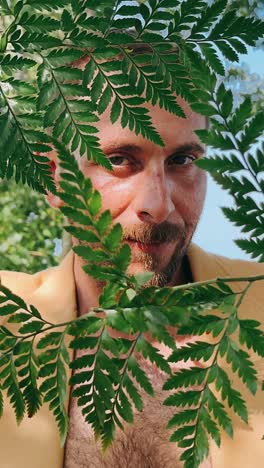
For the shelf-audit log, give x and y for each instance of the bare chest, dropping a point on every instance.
(145, 444)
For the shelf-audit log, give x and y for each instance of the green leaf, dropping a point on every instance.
(104, 222)
(105, 100)
(47, 93)
(252, 132)
(143, 278)
(182, 432)
(212, 58)
(8, 309)
(12, 61)
(115, 111)
(208, 17)
(14, 393)
(52, 339)
(123, 257)
(127, 10)
(112, 240)
(64, 56)
(199, 350)
(38, 23)
(186, 378)
(95, 203)
(204, 109)
(250, 335)
(182, 399)
(67, 21)
(183, 417)
(140, 376)
(82, 234)
(241, 364)
(133, 392)
(19, 317)
(228, 51)
(31, 327)
(97, 87)
(233, 397)
(218, 410)
(241, 115)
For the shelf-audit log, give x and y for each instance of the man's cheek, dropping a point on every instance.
(115, 195)
(190, 200)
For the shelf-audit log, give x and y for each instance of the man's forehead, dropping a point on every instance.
(173, 130)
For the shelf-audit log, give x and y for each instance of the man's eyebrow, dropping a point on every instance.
(125, 147)
(184, 148)
(189, 147)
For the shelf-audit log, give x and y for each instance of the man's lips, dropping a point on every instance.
(153, 247)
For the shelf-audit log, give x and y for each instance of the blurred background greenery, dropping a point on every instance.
(30, 231)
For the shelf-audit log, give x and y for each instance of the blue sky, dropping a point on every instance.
(215, 233)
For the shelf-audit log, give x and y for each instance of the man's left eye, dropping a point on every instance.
(181, 159)
(118, 160)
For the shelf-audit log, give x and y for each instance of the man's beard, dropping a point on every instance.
(162, 233)
(150, 234)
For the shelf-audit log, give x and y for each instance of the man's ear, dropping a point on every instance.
(54, 200)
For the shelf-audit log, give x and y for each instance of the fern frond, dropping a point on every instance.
(21, 150)
(53, 362)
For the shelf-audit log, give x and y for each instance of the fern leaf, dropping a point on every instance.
(140, 376)
(195, 351)
(39, 23)
(250, 335)
(218, 410)
(186, 378)
(48, 5)
(233, 397)
(24, 155)
(54, 387)
(11, 384)
(208, 17)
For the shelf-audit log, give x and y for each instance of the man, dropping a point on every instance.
(157, 195)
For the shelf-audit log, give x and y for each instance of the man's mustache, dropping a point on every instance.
(154, 234)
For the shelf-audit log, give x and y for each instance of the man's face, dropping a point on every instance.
(154, 192)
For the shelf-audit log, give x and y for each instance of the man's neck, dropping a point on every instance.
(88, 289)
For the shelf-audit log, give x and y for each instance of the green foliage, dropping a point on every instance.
(29, 229)
(175, 47)
(208, 412)
(237, 131)
(107, 386)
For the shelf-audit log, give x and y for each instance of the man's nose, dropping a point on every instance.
(153, 200)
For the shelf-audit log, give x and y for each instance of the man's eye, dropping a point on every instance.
(118, 160)
(181, 159)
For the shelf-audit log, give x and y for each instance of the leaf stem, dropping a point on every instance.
(250, 279)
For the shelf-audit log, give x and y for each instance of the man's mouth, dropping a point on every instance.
(146, 247)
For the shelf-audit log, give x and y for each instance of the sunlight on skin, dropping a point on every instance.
(154, 192)
(149, 184)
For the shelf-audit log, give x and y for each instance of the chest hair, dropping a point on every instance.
(145, 444)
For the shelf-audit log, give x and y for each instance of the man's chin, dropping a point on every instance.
(164, 272)
(158, 279)
(136, 269)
